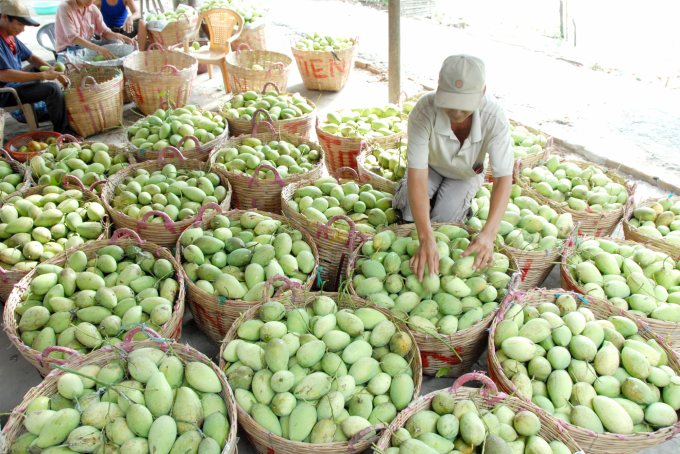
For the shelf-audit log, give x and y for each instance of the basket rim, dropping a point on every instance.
(628, 215)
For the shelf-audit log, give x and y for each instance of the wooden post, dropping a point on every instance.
(563, 22)
(394, 34)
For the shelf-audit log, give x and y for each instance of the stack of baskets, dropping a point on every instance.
(167, 233)
(325, 71)
(171, 329)
(157, 75)
(302, 125)
(94, 102)
(243, 77)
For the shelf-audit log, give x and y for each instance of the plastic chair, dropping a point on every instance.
(27, 109)
(47, 31)
(220, 23)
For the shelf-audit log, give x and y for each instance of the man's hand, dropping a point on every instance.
(65, 81)
(482, 244)
(51, 74)
(427, 254)
(129, 24)
(105, 53)
(125, 39)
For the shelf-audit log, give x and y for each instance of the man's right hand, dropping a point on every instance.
(105, 53)
(427, 254)
(50, 74)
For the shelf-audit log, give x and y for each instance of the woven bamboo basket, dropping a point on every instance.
(670, 331)
(632, 233)
(15, 427)
(114, 151)
(484, 398)
(174, 32)
(266, 442)
(325, 71)
(9, 278)
(336, 246)
(592, 223)
(590, 442)
(302, 125)
(243, 78)
(2, 129)
(378, 182)
(18, 168)
(213, 314)
(459, 351)
(344, 151)
(164, 234)
(156, 75)
(172, 329)
(255, 36)
(94, 102)
(202, 67)
(265, 195)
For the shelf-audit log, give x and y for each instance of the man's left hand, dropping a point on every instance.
(483, 245)
(65, 81)
(125, 39)
(129, 24)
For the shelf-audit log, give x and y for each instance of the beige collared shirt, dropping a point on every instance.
(432, 143)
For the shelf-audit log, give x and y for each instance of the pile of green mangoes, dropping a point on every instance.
(526, 225)
(390, 164)
(89, 162)
(280, 106)
(368, 123)
(168, 127)
(634, 278)
(327, 43)
(581, 189)
(235, 258)
(36, 227)
(659, 220)
(364, 205)
(173, 16)
(526, 143)
(462, 426)
(10, 182)
(248, 11)
(596, 374)
(285, 157)
(178, 193)
(150, 402)
(319, 374)
(88, 303)
(439, 305)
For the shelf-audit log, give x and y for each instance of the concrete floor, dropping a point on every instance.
(17, 376)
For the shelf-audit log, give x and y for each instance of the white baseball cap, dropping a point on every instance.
(461, 83)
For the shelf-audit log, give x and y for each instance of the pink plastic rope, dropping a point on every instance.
(342, 169)
(154, 45)
(95, 184)
(362, 433)
(264, 89)
(63, 137)
(6, 154)
(175, 71)
(196, 141)
(277, 64)
(94, 86)
(277, 176)
(121, 234)
(75, 179)
(44, 355)
(175, 151)
(169, 223)
(213, 205)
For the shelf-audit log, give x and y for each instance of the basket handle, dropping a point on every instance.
(71, 67)
(169, 223)
(213, 205)
(121, 234)
(194, 138)
(238, 49)
(266, 123)
(166, 103)
(127, 342)
(362, 433)
(95, 184)
(63, 137)
(75, 179)
(280, 65)
(264, 111)
(175, 71)
(478, 376)
(185, 16)
(342, 169)
(400, 101)
(627, 213)
(45, 355)
(175, 151)
(154, 45)
(276, 87)
(277, 175)
(93, 86)
(6, 154)
(287, 282)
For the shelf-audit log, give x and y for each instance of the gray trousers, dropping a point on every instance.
(451, 198)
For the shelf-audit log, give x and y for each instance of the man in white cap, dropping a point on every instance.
(450, 132)
(14, 16)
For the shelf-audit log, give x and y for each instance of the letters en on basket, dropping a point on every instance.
(590, 442)
(266, 442)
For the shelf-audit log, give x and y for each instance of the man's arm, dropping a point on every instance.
(419, 202)
(134, 12)
(82, 42)
(36, 61)
(13, 75)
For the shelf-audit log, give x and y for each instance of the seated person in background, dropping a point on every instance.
(76, 23)
(119, 20)
(14, 16)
